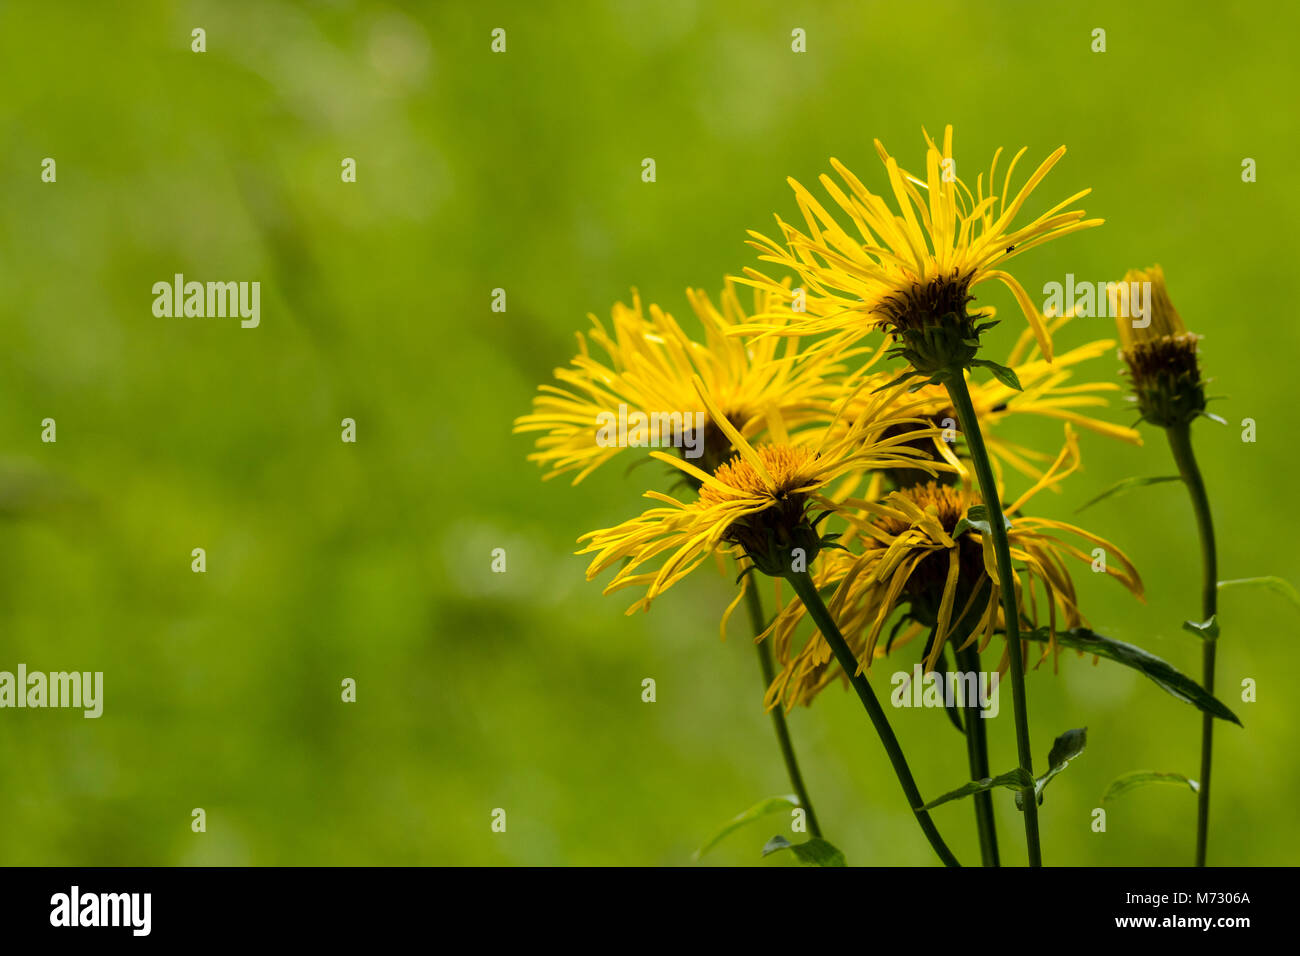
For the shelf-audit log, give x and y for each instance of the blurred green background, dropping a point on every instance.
(372, 561)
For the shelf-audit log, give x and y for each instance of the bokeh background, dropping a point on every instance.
(371, 560)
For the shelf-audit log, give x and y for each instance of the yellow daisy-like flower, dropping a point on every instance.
(755, 506)
(1047, 390)
(919, 550)
(1162, 356)
(647, 368)
(911, 269)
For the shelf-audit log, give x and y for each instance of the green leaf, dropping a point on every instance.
(1064, 749)
(815, 851)
(1165, 675)
(1003, 374)
(1272, 582)
(1016, 779)
(1128, 484)
(977, 519)
(1132, 781)
(911, 373)
(1207, 630)
(760, 809)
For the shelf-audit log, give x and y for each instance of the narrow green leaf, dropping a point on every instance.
(1064, 749)
(760, 809)
(1207, 630)
(1165, 675)
(1272, 582)
(1128, 484)
(1132, 781)
(1016, 779)
(815, 851)
(1003, 374)
(911, 373)
(977, 519)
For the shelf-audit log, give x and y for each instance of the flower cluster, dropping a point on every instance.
(872, 491)
(798, 399)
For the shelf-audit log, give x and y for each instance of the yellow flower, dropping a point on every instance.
(755, 506)
(1165, 322)
(647, 368)
(912, 270)
(1161, 355)
(918, 550)
(1047, 390)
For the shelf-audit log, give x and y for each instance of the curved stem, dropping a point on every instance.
(754, 602)
(977, 754)
(812, 601)
(1180, 443)
(955, 382)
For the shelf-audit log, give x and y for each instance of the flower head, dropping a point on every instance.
(1161, 355)
(911, 270)
(1047, 390)
(757, 506)
(647, 367)
(923, 549)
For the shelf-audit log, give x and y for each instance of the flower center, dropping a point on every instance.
(927, 303)
(1166, 376)
(780, 539)
(947, 503)
(787, 464)
(925, 587)
(931, 326)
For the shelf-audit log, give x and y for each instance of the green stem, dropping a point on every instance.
(812, 601)
(955, 382)
(1180, 443)
(977, 754)
(754, 602)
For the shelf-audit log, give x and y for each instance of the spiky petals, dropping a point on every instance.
(755, 506)
(916, 554)
(911, 264)
(648, 364)
(1162, 357)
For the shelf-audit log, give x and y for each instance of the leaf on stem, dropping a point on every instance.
(1016, 779)
(1064, 749)
(1165, 675)
(1128, 484)
(1206, 630)
(911, 373)
(1003, 374)
(977, 519)
(814, 851)
(1272, 582)
(760, 809)
(1132, 781)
